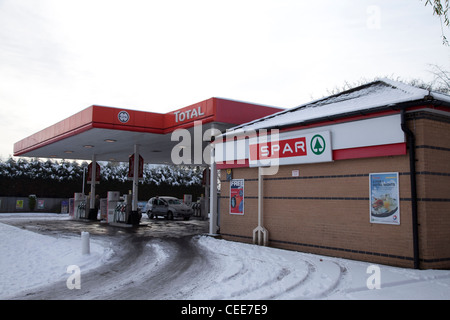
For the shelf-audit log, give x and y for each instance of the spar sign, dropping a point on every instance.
(290, 148)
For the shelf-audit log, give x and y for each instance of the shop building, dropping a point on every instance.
(364, 174)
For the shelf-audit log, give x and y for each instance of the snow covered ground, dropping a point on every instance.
(253, 272)
(231, 270)
(30, 260)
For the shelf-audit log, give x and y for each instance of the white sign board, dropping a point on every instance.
(290, 148)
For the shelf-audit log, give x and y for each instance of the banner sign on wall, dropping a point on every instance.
(384, 198)
(292, 147)
(237, 196)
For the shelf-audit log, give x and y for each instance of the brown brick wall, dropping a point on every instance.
(326, 209)
(433, 166)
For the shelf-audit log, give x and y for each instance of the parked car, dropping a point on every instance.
(169, 207)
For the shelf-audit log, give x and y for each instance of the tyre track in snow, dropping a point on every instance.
(321, 281)
(145, 262)
(142, 268)
(96, 283)
(314, 285)
(146, 266)
(156, 275)
(283, 278)
(297, 285)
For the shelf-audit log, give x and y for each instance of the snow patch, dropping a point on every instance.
(244, 271)
(29, 260)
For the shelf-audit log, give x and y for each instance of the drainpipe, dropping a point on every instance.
(412, 168)
(260, 234)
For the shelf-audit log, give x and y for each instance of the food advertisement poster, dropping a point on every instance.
(384, 198)
(237, 196)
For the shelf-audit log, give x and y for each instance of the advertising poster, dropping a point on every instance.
(41, 204)
(384, 198)
(19, 204)
(237, 196)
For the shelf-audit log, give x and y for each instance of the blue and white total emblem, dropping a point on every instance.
(123, 116)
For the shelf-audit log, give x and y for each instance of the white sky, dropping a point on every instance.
(58, 57)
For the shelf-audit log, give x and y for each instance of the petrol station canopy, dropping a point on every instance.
(110, 133)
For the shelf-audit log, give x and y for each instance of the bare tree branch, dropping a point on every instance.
(440, 8)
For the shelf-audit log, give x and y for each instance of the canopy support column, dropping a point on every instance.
(92, 209)
(134, 205)
(134, 218)
(213, 194)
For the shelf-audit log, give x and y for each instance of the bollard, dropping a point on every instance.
(85, 247)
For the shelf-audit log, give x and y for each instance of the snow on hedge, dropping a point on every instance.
(71, 170)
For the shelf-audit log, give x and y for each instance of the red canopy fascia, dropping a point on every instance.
(225, 113)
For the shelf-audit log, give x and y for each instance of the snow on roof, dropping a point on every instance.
(380, 93)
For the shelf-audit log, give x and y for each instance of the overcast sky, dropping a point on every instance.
(58, 57)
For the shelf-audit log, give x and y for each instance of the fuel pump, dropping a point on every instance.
(120, 212)
(80, 201)
(123, 209)
(127, 199)
(112, 200)
(119, 208)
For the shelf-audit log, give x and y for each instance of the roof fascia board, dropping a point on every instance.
(348, 116)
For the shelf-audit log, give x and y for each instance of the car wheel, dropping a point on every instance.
(186, 218)
(169, 215)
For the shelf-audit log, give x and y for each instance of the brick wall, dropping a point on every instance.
(325, 210)
(433, 168)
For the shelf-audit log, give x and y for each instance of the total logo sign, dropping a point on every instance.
(290, 148)
(193, 113)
